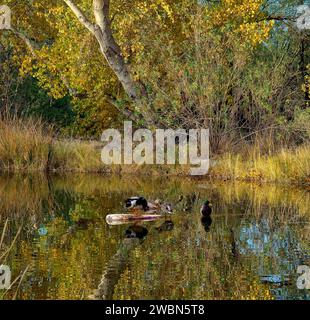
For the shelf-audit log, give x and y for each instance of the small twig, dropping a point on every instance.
(3, 232)
(255, 132)
(11, 246)
(21, 279)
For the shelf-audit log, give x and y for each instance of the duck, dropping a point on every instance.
(137, 203)
(190, 201)
(141, 204)
(206, 209)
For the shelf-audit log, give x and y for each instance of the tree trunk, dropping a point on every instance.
(111, 51)
(110, 48)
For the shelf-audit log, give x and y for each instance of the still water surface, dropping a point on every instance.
(250, 249)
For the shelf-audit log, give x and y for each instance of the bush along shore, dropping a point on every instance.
(28, 145)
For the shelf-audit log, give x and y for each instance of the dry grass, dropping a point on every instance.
(77, 156)
(28, 145)
(283, 166)
(24, 145)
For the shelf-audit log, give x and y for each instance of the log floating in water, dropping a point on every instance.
(113, 219)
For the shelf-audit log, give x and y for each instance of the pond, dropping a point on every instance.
(250, 248)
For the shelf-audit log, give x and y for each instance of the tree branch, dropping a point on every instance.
(30, 44)
(81, 17)
(126, 112)
(276, 18)
(101, 12)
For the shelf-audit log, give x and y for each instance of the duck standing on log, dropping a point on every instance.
(141, 205)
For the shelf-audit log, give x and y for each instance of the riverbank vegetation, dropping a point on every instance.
(31, 145)
(238, 67)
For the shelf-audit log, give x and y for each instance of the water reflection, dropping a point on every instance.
(134, 235)
(234, 248)
(206, 222)
(136, 231)
(249, 249)
(167, 225)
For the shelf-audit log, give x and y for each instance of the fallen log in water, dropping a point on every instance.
(114, 219)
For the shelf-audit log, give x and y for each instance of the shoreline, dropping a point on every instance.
(143, 172)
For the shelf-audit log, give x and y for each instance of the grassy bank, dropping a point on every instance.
(284, 165)
(30, 145)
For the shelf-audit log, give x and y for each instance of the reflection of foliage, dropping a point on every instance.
(69, 261)
(83, 210)
(196, 266)
(77, 212)
(255, 291)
